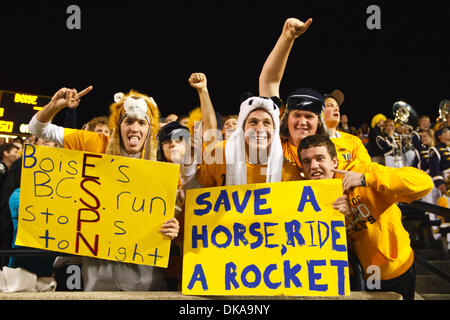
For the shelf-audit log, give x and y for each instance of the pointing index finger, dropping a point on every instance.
(308, 22)
(343, 172)
(84, 92)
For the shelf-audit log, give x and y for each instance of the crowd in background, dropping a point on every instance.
(422, 144)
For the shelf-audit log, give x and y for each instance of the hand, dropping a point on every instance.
(65, 97)
(342, 204)
(197, 81)
(170, 228)
(294, 28)
(350, 179)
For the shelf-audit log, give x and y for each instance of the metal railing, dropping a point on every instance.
(437, 210)
(429, 207)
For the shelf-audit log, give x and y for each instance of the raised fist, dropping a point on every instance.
(197, 80)
(294, 28)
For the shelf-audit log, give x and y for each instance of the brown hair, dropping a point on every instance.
(317, 141)
(284, 128)
(6, 147)
(90, 126)
(233, 116)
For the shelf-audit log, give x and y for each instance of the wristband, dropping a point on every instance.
(363, 180)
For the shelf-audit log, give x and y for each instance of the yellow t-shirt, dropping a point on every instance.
(290, 153)
(348, 149)
(213, 174)
(374, 229)
(85, 140)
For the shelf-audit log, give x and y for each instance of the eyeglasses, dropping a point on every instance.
(168, 142)
(178, 135)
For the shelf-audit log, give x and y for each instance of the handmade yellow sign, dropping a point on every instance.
(266, 239)
(96, 205)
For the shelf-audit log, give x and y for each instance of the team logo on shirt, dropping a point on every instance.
(345, 154)
(359, 217)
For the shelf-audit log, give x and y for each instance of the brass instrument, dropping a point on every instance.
(444, 109)
(405, 115)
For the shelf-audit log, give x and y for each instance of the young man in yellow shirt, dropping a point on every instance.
(373, 221)
(134, 119)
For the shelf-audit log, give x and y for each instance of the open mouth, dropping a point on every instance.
(316, 174)
(259, 140)
(134, 140)
(303, 131)
(259, 137)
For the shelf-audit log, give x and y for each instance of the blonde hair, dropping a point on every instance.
(431, 134)
(194, 116)
(90, 126)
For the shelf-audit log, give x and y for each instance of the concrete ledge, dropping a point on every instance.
(172, 295)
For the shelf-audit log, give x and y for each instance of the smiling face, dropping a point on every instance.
(229, 126)
(317, 163)
(301, 123)
(258, 130)
(133, 133)
(424, 123)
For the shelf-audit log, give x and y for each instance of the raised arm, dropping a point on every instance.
(273, 69)
(40, 125)
(198, 82)
(63, 98)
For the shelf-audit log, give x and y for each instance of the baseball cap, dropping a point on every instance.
(337, 95)
(173, 131)
(305, 99)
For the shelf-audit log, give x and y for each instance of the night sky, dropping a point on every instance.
(153, 47)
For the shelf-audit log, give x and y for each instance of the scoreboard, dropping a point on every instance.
(17, 109)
